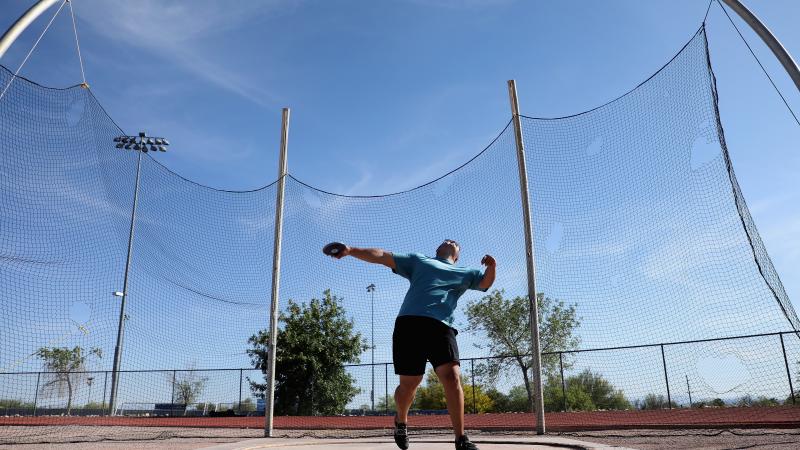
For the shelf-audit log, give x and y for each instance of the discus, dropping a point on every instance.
(334, 249)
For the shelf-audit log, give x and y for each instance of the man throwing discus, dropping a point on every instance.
(423, 330)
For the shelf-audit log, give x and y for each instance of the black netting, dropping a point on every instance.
(199, 281)
(657, 293)
(636, 220)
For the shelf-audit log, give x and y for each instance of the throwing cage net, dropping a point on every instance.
(658, 303)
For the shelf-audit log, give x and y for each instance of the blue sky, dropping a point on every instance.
(376, 88)
(388, 95)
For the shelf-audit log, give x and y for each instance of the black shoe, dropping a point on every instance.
(463, 443)
(401, 435)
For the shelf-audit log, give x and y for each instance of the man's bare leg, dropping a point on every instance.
(404, 395)
(450, 376)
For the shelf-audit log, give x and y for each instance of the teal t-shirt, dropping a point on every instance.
(435, 287)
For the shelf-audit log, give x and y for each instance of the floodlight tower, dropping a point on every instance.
(140, 144)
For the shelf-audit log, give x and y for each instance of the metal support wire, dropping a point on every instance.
(33, 13)
(77, 45)
(19, 26)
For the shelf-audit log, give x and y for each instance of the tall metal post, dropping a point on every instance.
(105, 389)
(666, 377)
(36, 394)
(386, 386)
(90, 382)
(529, 259)
(276, 277)
(172, 394)
(121, 325)
(371, 290)
(241, 375)
(689, 388)
(472, 376)
(563, 381)
(788, 372)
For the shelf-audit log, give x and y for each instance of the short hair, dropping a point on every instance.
(454, 242)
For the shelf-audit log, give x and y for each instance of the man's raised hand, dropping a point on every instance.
(343, 253)
(336, 250)
(488, 261)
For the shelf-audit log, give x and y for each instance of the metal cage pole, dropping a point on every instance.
(13, 32)
(788, 372)
(766, 35)
(36, 394)
(530, 261)
(276, 277)
(371, 290)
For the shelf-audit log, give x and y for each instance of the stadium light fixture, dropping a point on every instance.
(142, 143)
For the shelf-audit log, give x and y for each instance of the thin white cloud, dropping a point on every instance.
(181, 32)
(459, 4)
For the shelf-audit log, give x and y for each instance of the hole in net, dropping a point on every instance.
(442, 187)
(722, 373)
(80, 312)
(554, 237)
(704, 150)
(75, 111)
(595, 147)
(311, 199)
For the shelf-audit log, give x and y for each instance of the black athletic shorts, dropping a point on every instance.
(417, 340)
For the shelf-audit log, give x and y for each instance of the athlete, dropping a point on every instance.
(423, 330)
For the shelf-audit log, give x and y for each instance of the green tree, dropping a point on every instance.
(67, 367)
(188, 387)
(205, 407)
(515, 401)
(654, 401)
(476, 400)
(431, 396)
(313, 345)
(585, 391)
(506, 324)
(97, 406)
(247, 405)
(386, 403)
(748, 400)
(10, 403)
(717, 403)
(499, 400)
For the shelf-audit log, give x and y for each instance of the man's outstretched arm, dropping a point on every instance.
(370, 255)
(489, 274)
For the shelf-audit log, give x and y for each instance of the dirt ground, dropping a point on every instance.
(728, 439)
(178, 439)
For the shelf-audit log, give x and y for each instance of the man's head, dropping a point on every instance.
(449, 249)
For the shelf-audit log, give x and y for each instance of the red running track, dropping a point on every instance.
(753, 417)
